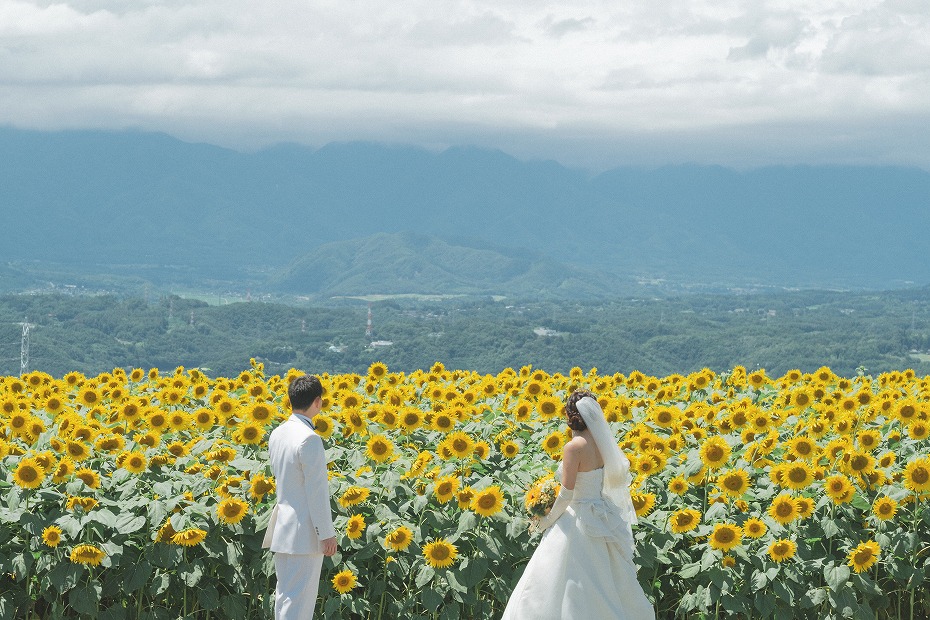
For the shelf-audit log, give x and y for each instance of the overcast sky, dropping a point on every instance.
(587, 83)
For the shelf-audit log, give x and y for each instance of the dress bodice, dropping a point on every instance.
(598, 516)
(588, 485)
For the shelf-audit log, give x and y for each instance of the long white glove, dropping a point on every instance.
(562, 501)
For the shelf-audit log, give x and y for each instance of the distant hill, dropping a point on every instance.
(398, 263)
(101, 199)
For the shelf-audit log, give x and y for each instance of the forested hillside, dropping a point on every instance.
(146, 204)
(804, 330)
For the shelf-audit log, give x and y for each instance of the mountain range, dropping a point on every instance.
(357, 218)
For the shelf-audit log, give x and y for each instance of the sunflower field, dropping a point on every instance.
(137, 494)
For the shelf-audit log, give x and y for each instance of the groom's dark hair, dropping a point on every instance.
(575, 421)
(303, 390)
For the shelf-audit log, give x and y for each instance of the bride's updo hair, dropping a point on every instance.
(575, 421)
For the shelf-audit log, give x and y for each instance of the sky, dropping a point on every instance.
(587, 83)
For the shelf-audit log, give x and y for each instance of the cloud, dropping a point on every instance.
(712, 72)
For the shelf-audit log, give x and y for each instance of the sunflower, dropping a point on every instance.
(411, 419)
(553, 443)
(482, 450)
(377, 371)
(734, 483)
(464, 496)
(445, 488)
(805, 506)
(89, 477)
(884, 507)
(379, 448)
(261, 485)
(488, 502)
(344, 581)
(224, 407)
(782, 549)
(678, 485)
(88, 396)
(355, 526)
(797, 475)
(54, 404)
(754, 528)
(109, 443)
(87, 554)
(728, 561)
(28, 474)
(715, 452)
(353, 496)
(440, 553)
(189, 537)
(509, 448)
(918, 430)
(548, 407)
(86, 503)
(323, 425)
(178, 421)
(51, 536)
(399, 539)
(839, 488)
(643, 503)
(231, 510)
(684, 520)
(725, 536)
(783, 509)
(917, 475)
(460, 444)
(158, 420)
(77, 450)
(665, 417)
(864, 556)
(63, 470)
(523, 411)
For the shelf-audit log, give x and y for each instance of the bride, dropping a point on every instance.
(583, 567)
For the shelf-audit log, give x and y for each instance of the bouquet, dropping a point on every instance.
(541, 496)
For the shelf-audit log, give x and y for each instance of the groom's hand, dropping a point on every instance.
(329, 546)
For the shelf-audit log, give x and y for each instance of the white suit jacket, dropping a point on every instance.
(301, 517)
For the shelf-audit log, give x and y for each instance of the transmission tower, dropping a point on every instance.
(24, 347)
(368, 327)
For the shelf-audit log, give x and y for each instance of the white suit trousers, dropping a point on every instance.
(298, 584)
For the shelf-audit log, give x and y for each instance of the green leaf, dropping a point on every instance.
(689, 570)
(759, 580)
(127, 523)
(425, 575)
(450, 611)
(208, 597)
(244, 464)
(65, 576)
(431, 599)
(192, 573)
(234, 605)
(85, 599)
(830, 529)
(116, 612)
(783, 592)
(489, 546)
(814, 598)
(473, 571)
(766, 603)
(138, 575)
(466, 522)
(836, 576)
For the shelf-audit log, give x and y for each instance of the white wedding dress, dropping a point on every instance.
(583, 567)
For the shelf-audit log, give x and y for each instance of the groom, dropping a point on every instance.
(301, 530)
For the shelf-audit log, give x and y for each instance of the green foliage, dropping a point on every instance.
(659, 336)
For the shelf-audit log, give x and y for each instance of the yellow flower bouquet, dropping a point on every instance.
(541, 496)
